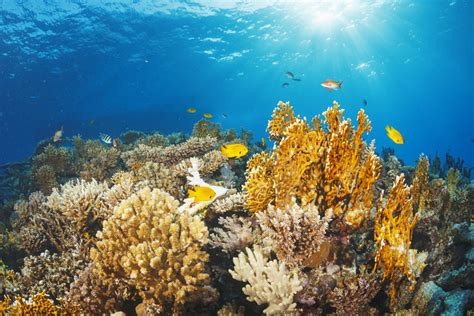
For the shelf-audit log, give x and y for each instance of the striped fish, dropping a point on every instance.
(105, 138)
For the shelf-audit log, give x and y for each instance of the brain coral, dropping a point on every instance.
(152, 246)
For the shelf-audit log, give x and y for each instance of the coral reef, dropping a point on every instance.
(269, 282)
(315, 224)
(151, 246)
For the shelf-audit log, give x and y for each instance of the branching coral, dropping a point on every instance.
(331, 166)
(204, 128)
(232, 202)
(394, 224)
(151, 246)
(208, 163)
(236, 235)
(159, 176)
(296, 233)
(79, 201)
(420, 184)
(93, 296)
(50, 273)
(354, 293)
(170, 155)
(39, 228)
(51, 163)
(269, 282)
(93, 160)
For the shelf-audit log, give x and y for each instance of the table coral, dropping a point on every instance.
(269, 282)
(297, 233)
(394, 224)
(151, 246)
(327, 164)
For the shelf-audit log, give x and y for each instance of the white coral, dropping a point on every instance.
(270, 282)
(236, 234)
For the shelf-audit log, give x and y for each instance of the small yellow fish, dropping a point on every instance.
(208, 115)
(191, 110)
(394, 135)
(58, 135)
(234, 150)
(201, 194)
(331, 84)
(263, 143)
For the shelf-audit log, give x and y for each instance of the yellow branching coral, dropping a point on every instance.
(327, 164)
(153, 247)
(283, 116)
(269, 282)
(159, 176)
(39, 304)
(420, 185)
(394, 224)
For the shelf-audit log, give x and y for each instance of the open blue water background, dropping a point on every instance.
(110, 66)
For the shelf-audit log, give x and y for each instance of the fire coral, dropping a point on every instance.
(327, 164)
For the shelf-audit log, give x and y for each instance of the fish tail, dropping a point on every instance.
(340, 83)
(191, 193)
(387, 128)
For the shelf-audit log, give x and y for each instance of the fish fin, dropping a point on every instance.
(191, 192)
(340, 84)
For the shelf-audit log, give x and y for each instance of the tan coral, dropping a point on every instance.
(151, 246)
(208, 163)
(78, 201)
(170, 155)
(37, 227)
(269, 282)
(420, 184)
(159, 176)
(236, 235)
(296, 233)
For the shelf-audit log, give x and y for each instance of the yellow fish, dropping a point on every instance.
(201, 194)
(263, 142)
(191, 110)
(234, 150)
(208, 115)
(394, 135)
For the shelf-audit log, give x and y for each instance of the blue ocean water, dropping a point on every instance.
(95, 66)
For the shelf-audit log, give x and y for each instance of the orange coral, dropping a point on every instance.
(39, 304)
(394, 224)
(330, 165)
(420, 185)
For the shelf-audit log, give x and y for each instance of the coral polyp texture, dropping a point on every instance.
(326, 162)
(317, 224)
(154, 248)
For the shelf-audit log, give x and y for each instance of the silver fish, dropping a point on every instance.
(105, 138)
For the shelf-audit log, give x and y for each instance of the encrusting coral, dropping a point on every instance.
(330, 165)
(296, 233)
(269, 282)
(151, 246)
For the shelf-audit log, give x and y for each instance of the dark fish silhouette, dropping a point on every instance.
(290, 75)
(365, 102)
(285, 84)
